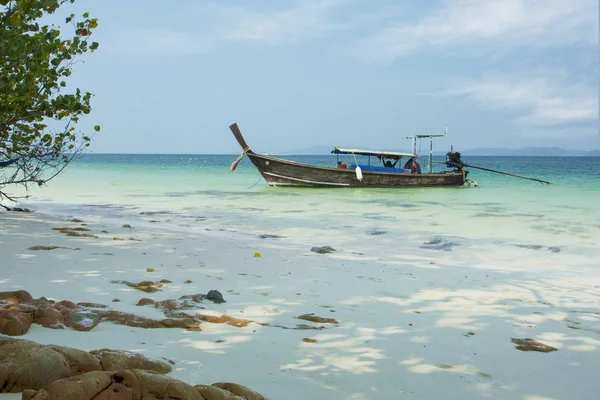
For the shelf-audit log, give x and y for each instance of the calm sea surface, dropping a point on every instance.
(196, 193)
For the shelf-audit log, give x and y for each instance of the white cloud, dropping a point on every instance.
(310, 20)
(542, 99)
(512, 23)
(201, 27)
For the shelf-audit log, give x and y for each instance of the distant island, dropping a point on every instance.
(481, 151)
(531, 152)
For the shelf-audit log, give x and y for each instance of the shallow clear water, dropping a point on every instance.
(197, 193)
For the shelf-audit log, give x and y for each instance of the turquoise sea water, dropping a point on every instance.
(197, 192)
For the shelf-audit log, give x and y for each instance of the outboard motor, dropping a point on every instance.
(453, 160)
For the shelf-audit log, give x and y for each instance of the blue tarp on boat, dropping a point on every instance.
(379, 169)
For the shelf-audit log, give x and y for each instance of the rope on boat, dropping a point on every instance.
(255, 183)
(237, 161)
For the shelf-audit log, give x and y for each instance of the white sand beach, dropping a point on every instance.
(409, 326)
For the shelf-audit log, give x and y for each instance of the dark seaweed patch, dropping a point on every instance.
(439, 243)
(488, 214)
(377, 217)
(269, 236)
(530, 246)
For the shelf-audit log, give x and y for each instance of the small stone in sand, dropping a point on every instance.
(77, 234)
(44, 247)
(320, 320)
(309, 340)
(27, 210)
(215, 296)
(532, 345)
(269, 236)
(66, 230)
(304, 327)
(118, 238)
(127, 226)
(165, 281)
(188, 281)
(150, 270)
(224, 319)
(145, 286)
(323, 249)
(257, 255)
(116, 300)
(145, 301)
(76, 220)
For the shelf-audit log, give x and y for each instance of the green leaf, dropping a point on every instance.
(36, 61)
(14, 19)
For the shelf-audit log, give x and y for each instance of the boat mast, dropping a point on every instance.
(414, 139)
(430, 155)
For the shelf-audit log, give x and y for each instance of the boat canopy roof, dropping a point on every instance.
(386, 154)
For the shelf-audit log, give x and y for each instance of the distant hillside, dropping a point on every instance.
(309, 151)
(530, 151)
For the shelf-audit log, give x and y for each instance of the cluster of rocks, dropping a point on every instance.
(51, 372)
(152, 287)
(55, 372)
(529, 344)
(19, 310)
(173, 309)
(77, 231)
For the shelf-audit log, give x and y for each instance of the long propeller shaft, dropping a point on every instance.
(506, 173)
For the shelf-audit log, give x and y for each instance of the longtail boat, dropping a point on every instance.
(281, 172)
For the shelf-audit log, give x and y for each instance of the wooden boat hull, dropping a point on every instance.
(280, 172)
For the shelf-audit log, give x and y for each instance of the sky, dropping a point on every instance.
(170, 77)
